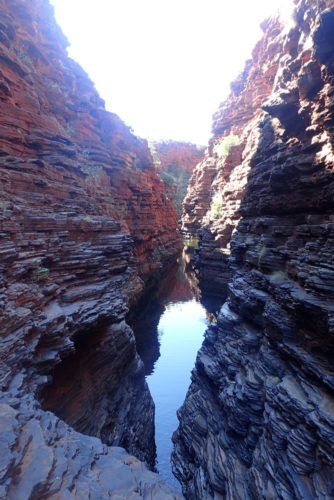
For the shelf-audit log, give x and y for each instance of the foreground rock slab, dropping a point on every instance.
(42, 457)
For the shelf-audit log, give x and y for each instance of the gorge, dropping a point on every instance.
(90, 238)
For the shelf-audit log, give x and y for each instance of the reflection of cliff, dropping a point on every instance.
(179, 288)
(190, 271)
(211, 302)
(180, 284)
(144, 318)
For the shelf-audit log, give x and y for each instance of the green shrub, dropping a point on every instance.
(154, 154)
(40, 274)
(216, 208)
(191, 243)
(222, 149)
(167, 178)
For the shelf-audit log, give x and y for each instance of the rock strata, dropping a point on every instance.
(61, 146)
(258, 420)
(84, 222)
(100, 390)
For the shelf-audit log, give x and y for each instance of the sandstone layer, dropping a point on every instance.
(258, 420)
(84, 222)
(61, 146)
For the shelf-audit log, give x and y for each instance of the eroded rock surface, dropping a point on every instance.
(84, 222)
(50, 460)
(258, 420)
(61, 146)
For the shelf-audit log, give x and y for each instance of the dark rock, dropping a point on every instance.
(263, 380)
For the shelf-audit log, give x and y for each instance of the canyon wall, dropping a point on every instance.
(258, 419)
(84, 224)
(175, 162)
(61, 146)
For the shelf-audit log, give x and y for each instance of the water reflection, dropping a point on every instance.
(174, 288)
(211, 303)
(169, 331)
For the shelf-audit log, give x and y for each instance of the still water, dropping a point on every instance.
(169, 325)
(169, 333)
(180, 331)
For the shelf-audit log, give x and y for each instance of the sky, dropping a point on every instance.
(164, 65)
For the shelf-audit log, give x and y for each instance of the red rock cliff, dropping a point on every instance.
(83, 217)
(61, 151)
(175, 162)
(216, 188)
(180, 155)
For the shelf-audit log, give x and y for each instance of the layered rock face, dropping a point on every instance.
(100, 390)
(175, 162)
(62, 147)
(84, 222)
(258, 420)
(211, 207)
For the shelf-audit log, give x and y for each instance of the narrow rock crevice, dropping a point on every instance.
(88, 227)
